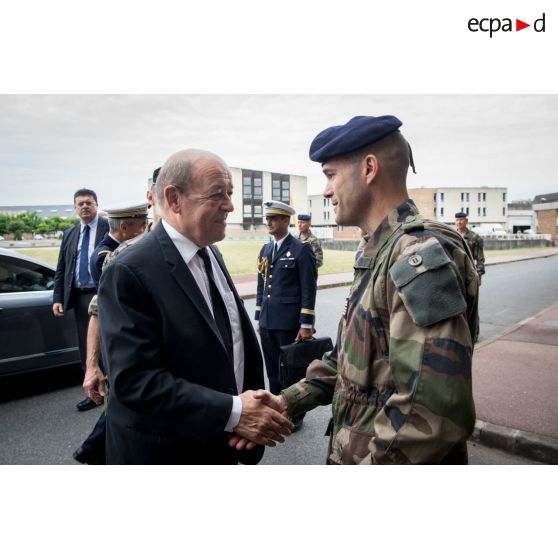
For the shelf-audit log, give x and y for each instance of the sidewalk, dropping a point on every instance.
(515, 375)
(515, 384)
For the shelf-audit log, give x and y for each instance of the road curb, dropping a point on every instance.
(522, 259)
(519, 442)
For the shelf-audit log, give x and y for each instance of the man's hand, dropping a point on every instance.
(276, 402)
(257, 328)
(259, 423)
(304, 333)
(94, 383)
(58, 309)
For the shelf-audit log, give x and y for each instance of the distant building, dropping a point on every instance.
(482, 205)
(545, 207)
(521, 217)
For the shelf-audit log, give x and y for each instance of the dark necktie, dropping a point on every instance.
(83, 271)
(219, 310)
(274, 251)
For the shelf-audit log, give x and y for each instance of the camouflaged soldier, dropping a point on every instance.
(306, 237)
(474, 241)
(399, 378)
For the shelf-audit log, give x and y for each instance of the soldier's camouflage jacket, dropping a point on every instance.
(316, 246)
(476, 245)
(399, 377)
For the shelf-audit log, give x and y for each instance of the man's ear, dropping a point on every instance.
(172, 198)
(370, 167)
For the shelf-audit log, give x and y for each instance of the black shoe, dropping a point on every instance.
(86, 404)
(297, 421)
(87, 457)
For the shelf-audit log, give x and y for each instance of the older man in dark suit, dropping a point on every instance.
(73, 285)
(181, 354)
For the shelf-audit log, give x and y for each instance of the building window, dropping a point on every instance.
(479, 197)
(442, 196)
(441, 211)
(251, 198)
(434, 198)
(462, 196)
(484, 196)
(504, 197)
(325, 218)
(325, 202)
(280, 187)
(309, 204)
(478, 210)
(504, 211)
(484, 211)
(467, 210)
(467, 196)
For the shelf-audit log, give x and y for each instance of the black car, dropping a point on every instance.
(31, 338)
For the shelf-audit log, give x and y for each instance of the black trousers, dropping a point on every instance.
(81, 300)
(272, 339)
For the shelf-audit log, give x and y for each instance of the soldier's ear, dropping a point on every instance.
(370, 164)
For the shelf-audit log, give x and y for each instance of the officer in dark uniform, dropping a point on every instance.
(286, 296)
(124, 223)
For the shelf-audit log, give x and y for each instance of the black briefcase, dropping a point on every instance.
(295, 358)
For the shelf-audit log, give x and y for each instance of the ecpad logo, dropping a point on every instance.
(493, 25)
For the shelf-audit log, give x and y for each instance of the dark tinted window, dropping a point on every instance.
(19, 276)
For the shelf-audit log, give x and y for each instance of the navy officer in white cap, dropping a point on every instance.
(125, 222)
(287, 279)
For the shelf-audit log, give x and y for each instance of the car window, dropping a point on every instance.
(19, 276)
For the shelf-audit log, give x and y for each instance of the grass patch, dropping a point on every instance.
(241, 256)
(49, 254)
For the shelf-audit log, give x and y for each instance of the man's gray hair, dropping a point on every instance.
(178, 170)
(114, 222)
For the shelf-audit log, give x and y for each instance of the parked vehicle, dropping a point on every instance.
(31, 338)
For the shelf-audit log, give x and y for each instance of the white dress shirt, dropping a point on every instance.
(188, 251)
(91, 247)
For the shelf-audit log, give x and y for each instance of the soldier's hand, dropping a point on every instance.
(94, 384)
(260, 423)
(304, 333)
(58, 309)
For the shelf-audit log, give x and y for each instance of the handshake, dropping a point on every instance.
(263, 420)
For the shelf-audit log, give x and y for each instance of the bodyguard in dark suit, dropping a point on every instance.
(178, 344)
(73, 284)
(286, 296)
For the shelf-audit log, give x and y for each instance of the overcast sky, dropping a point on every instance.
(50, 145)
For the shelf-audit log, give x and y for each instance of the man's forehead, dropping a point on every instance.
(82, 199)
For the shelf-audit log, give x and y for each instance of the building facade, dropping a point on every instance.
(545, 207)
(482, 205)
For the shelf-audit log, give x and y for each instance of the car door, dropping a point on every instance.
(31, 338)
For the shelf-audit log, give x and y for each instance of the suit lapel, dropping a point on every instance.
(184, 278)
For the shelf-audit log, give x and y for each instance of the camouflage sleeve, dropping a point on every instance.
(480, 256)
(316, 389)
(318, 252)
(430, 351)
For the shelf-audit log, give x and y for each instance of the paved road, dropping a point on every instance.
(41, 426)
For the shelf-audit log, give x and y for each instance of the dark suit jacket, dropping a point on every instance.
(288, 297)
(65, 270)
(171, 379)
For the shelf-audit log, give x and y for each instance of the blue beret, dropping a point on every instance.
(304, 217)
(460, 214)
(356, 133)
